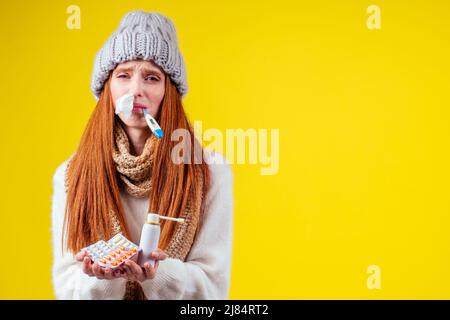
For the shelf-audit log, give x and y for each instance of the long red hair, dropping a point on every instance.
(93, 187)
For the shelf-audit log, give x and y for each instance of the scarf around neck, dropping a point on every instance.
(135, 174)
(133, 171)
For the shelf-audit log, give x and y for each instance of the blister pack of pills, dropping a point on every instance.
(114, 252)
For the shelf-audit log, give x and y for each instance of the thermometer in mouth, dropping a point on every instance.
(124, 105)
(153, 125)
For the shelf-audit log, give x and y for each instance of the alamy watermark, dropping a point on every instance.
(250, 146)
(74, 19)
(374, 279)
(374, 19)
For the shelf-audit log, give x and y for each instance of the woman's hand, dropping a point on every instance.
(129, 270)
(94, 270)
(135, 272)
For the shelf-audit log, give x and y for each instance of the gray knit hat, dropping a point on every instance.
(141, 35)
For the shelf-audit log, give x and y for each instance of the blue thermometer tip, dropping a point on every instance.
(159, 133)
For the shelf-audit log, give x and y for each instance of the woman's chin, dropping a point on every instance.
(135, 121)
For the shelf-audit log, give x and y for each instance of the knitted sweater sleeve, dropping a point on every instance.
(69, 280)
(206, 272)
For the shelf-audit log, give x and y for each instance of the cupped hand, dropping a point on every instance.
(130, 270)
(94, 270)
(135, 272)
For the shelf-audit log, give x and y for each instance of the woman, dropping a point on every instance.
(120, 172)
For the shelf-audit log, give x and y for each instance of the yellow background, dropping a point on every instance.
(364, 136)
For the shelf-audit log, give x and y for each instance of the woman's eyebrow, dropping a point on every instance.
(144, 70)
(152, 71)
(122, 69)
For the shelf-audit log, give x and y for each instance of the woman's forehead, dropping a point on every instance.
(138, 65)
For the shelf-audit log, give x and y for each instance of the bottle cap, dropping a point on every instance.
(153, 218)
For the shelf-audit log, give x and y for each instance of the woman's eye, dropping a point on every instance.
(122, 76)
(152, 78)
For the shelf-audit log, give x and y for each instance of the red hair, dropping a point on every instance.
(93, 187)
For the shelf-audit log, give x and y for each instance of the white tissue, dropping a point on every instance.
(124, 104)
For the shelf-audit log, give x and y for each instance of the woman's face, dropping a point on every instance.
(146, 81)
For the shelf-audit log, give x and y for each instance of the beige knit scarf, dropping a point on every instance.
(134, 173)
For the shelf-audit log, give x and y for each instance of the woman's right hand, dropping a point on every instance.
(94, 270)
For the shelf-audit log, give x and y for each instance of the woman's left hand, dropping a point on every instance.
(133, 271)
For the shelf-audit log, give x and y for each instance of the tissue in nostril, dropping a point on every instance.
(124, 105)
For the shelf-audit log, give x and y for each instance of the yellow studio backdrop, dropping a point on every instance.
(359, 205)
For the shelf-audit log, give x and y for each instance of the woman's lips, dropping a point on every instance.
(137, 108)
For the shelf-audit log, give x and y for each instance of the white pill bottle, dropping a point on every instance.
(150, 237)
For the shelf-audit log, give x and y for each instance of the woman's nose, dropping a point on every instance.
(137, 87)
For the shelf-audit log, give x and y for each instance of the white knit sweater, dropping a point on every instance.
(204, 275)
